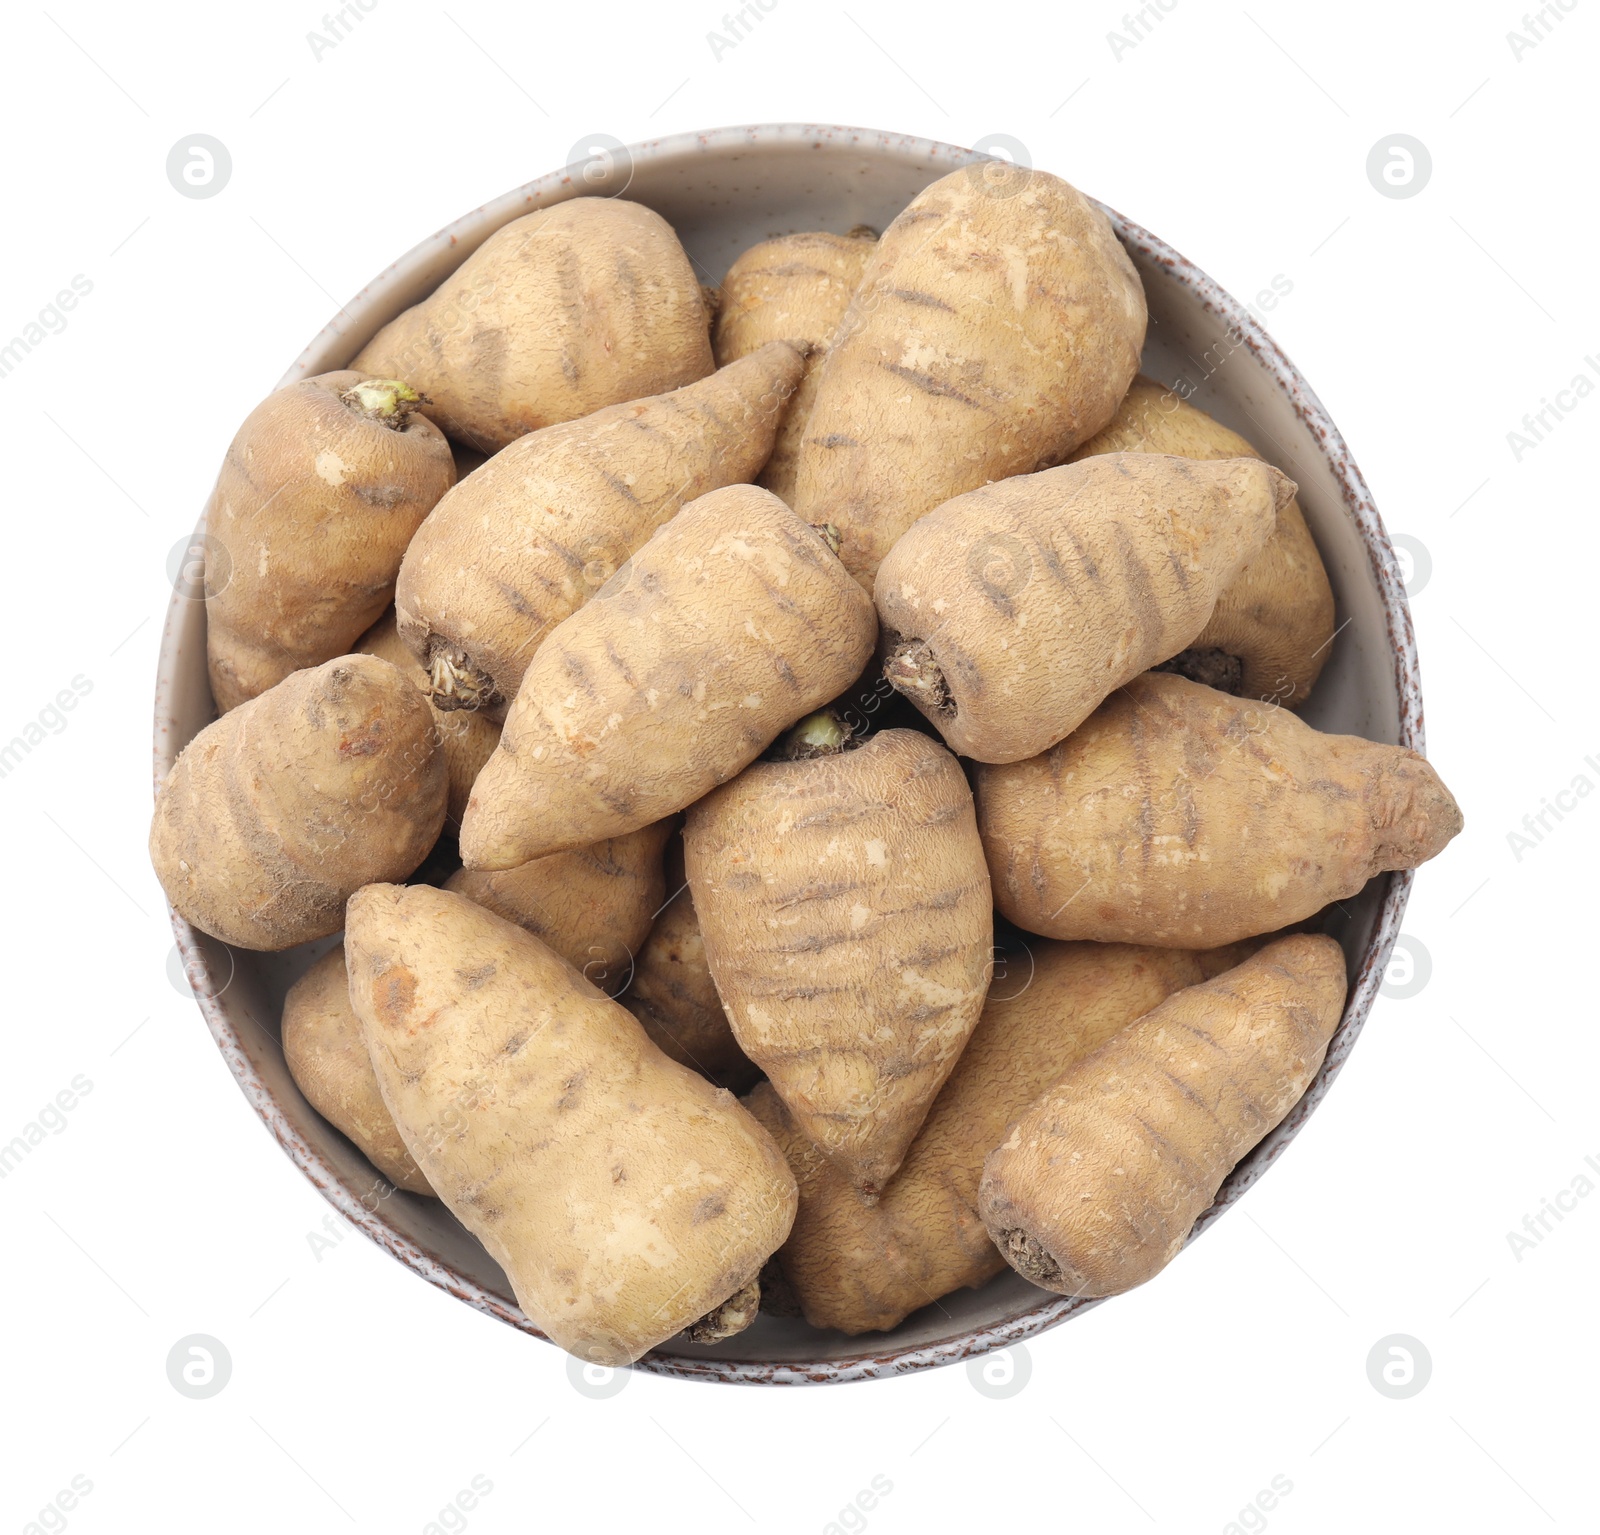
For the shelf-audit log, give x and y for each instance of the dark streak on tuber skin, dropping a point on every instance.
(862, 232)
(454, 682)
(1212, 667)
(730, 1318)
(384, 400)
(1029, 1259)
(911, 669)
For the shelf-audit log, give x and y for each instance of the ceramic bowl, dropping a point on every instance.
(724, 191)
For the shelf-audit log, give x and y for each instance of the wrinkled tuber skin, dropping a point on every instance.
(1097, 1185)
(1013, 610)
(863, 1268)
(1272, 629)
(624, 1196)
(996, 327)
(538, 530)
(322, 487)
(735, 620)
(847, 920)
(794, 288)
(592, 905)
(673, 996)
(1179, 816)
(279, 811)
(558, 314)
(466, 738)
(327, 1057)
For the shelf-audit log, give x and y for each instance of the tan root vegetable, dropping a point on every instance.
(1011, 611)
(673, 996)
(995, 329)
(592, 905)
(861, 1267)
(327, 1057)
(276, 813)
(319, 495)
(1272, 628)
(1180, 816)
(536, 532)
(625, 1196)
(795, 288)
(732, 622)
(466, 738)
(1097, 1185)
(555, 315)
(847, 922)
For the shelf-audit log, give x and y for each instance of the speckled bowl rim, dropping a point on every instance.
(884, 1359)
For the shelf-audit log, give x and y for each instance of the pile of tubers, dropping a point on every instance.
(787, 633)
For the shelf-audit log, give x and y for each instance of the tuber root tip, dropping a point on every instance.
(1284, 490)
(1414, 816)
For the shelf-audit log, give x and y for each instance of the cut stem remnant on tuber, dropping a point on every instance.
(384, 400)
(912, 670)
(823, 734)
(455, 683)
(829, 534)
(730, 1318)
(1029, 1258)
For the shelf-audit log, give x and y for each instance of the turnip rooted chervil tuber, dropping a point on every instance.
(1179, 815)
(593, 905)
(846, 913)
(735, 620)
(538, 530)
(321, 491)
(864, 1268)
(557, 314)
(673, 995)
(1010, 612)
(624, 1196)
(1097, 1185)
(795, 288)
(278, 812)
(995, 329)
(1272, 629)
(327, 1057)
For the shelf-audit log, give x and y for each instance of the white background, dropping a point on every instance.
(360, 1397)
